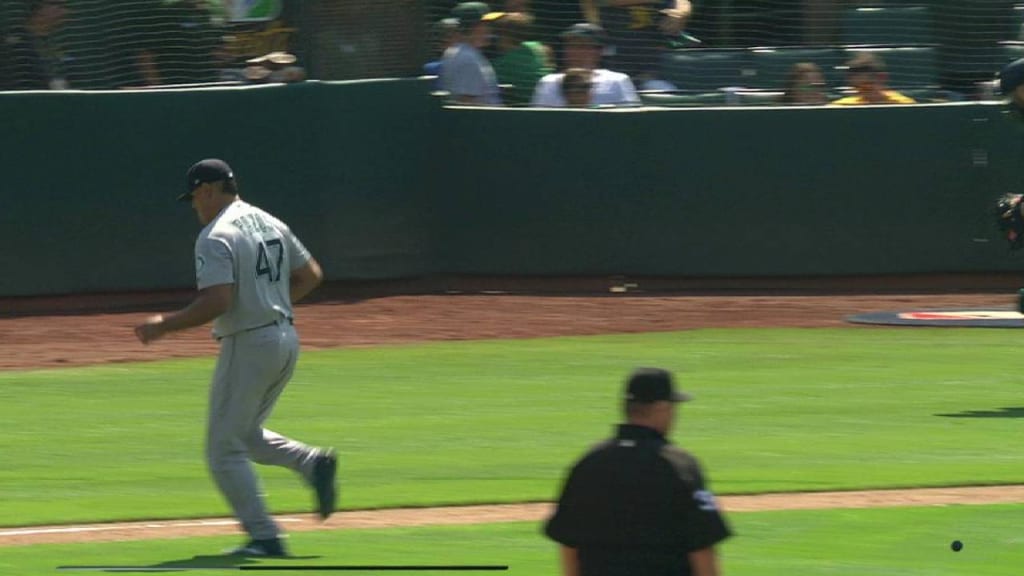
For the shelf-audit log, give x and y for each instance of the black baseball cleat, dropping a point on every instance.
(325, 473)
(269, 548)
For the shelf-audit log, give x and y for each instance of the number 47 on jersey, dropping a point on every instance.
(270, 266)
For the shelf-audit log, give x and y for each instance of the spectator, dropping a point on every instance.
(576, 88)
(866, 73)
(465, 72)
(805, 86)
(191, 48)
(522, 62)
(137, 28)
(583, 44)
(31, 54)
(523, 7)
(639, 32)
(635, 504)
(446, 33)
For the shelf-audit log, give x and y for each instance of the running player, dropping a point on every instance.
(250, 268)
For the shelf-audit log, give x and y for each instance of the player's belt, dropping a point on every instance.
(278, 322)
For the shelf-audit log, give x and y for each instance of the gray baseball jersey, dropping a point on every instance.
(256, 252)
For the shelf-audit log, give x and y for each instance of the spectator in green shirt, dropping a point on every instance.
(522, 62)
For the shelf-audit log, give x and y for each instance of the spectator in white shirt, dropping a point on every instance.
(583, 45)
(576, 88)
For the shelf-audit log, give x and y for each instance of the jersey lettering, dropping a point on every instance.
(252, 224)
(263, 263)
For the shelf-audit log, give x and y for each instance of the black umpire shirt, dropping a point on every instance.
(636, 505)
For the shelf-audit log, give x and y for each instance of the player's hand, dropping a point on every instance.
(150, 330)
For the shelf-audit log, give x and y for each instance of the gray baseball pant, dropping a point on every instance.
(252, 370)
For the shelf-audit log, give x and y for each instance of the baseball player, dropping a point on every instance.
(250, 268)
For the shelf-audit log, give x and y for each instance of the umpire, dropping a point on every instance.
(636, 505)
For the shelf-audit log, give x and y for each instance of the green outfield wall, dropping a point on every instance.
(381, 182)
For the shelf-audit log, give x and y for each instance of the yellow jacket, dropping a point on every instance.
(891, 97)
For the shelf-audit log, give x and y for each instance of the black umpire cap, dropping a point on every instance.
(208, 170)
(648, 385)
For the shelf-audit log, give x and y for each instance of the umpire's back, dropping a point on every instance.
(636, 505)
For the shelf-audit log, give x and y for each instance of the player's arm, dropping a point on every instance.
(704, 562)
(210, 303)
(305, 278)
(570, 561)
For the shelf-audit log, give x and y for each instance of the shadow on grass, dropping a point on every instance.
(222, 561)
(1007, 412)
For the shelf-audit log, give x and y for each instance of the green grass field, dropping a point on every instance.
(499, 421)
(878, 542)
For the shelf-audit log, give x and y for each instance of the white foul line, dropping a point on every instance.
(94, 528)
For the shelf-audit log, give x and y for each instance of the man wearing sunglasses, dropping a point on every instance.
(866, 73)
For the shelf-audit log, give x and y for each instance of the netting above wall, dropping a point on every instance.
(350, 39)
(111, 44)
(701, 47)
(754, 44)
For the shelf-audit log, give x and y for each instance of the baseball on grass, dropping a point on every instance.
(956, 545)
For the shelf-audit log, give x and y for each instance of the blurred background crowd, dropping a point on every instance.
(678, 51)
